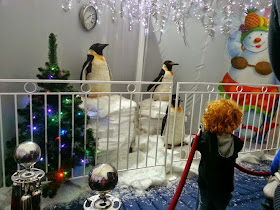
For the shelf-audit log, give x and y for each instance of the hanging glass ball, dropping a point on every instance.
(27, 154)
(103, 178)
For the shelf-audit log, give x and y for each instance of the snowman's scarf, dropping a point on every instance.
(265, 100)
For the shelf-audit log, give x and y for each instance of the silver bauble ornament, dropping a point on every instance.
(103, 178)
(27, 154)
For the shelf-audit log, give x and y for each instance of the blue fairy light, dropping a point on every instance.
(63, 132)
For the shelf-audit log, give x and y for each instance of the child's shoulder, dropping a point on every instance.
(238, 141)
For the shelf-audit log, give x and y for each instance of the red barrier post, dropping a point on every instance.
(181, 184)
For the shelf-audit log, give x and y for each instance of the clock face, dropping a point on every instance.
(88, 17)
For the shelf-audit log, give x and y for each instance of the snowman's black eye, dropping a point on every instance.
(249, 37)
(261, 34)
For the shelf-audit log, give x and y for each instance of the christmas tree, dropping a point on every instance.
(59, 133)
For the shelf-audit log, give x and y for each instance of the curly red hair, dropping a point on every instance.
(222, 116)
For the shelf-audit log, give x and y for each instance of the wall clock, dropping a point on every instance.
(88, 17)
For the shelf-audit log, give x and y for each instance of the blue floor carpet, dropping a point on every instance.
(247, 194)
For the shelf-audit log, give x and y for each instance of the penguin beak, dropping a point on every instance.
(174, 64)
(102, 46)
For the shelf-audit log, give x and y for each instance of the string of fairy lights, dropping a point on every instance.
(215, 15)
(53, 118)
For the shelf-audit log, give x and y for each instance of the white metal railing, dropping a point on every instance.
(127, 122)
(112, 119)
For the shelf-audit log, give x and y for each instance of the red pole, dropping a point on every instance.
(181, 184)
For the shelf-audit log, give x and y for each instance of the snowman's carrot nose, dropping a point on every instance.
(256, 40)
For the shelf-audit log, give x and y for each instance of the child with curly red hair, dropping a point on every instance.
(219, 149)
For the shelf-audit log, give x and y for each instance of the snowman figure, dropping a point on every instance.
(248, 51)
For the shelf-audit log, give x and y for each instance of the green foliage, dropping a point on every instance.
(56, 120)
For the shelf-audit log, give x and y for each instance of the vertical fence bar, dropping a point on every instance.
(108, 129)
(240, 127)
(59, 130)
(271, 118)
(149, 125)
(16, 125)
(46, 134)
(31, 117)
(73, 132)
(259, 124)
(139, 127)
(119, 130)
(96, 135)
(174, 126)
(255, 112)
(200, 110)
(265, 120)
(185, 111)
(167, 130)
(2, 144)
(85, 136)
(192, 115)
(276, 122)
(247, 123)
(128, 140)
(158, 130)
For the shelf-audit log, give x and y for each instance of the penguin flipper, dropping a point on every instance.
(83, 75)
(152, 87)
(164, 123)
(86, 67)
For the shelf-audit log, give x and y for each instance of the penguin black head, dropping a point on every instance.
(173, 102)
(98, 48)
(169, 64)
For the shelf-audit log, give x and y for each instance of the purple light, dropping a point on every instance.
(49, 110)
(34, 128)
(50, 76)
(34, 117)
(63, 145)
(82, 161)
(41, 159)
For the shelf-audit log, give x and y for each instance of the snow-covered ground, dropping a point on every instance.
(148, 164)
(140, 179)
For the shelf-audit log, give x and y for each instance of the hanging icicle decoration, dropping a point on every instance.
(208, 18)
(66, 5)
(176, 11)
(227, 25)
(113, 10)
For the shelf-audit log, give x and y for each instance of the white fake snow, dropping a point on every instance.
(151, 151)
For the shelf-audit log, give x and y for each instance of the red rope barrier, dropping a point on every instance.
(255, 173)
(181, 184)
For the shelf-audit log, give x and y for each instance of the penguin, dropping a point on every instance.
(165, 75)
(180, 123)
(96, 68)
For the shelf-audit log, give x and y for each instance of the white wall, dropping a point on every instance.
(24, 30)
(26, 25)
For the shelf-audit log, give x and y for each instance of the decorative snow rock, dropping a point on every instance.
(112, 121)
(151, 114)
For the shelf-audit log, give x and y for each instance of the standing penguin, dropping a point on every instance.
(180, 123)
(165, 75)
(96, 68)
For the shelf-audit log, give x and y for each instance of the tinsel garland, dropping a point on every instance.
(215, 15)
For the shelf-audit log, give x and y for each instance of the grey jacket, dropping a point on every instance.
(274, 38)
